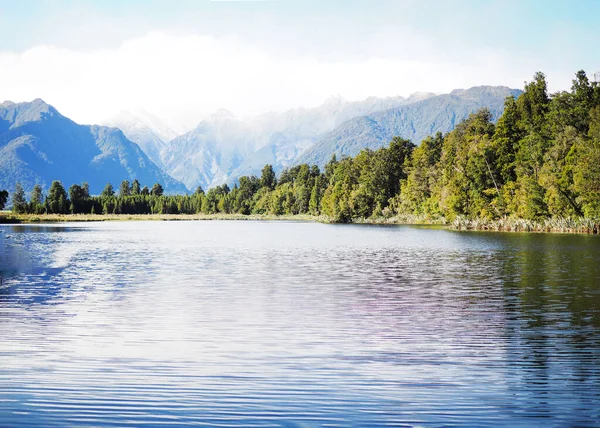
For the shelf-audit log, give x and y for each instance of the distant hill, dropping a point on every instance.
(39, 145)
(414, 121)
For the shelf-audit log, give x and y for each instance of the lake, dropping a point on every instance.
(244, 323)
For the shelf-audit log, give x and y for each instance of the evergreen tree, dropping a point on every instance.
(79, 198)
(18, 200)
(124, 188)
(57, 201)
(135, 188)
(36, 200)
(108, 191)
(157, 190)
(85, 187)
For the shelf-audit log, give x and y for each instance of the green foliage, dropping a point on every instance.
(416, 195)
(3, 199)
(79, 197)
(125, 188)
(19, 203)
(57, 201)
(541, 159)
(135, 188)
(267, 178)
(36, 200)
(108, 191)
(157, 190)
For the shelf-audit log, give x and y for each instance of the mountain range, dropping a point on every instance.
(414, 121)
(224, 147)
(38, 144)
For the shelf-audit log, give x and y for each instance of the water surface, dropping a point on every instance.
(229, 323)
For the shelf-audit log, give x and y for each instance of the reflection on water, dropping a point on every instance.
(296, 324)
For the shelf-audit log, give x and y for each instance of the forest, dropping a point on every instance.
(540, 160)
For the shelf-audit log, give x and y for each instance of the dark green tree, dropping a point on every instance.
(57, 201)
(18, 200)
(3, 199)
(125, 188)
(135, 187)
(79, 198)
(85, 187)
(267, 178)
(36, 200)
(157, 190)
(108, 191)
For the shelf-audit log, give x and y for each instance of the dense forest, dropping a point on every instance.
(540, 160)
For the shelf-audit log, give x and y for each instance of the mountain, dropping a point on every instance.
(204, 155)
(39, 145)
(223, 147)
(413, 121)
(144, 129)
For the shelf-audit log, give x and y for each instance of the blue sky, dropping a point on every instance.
(254, 56)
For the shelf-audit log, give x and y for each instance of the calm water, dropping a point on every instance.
(297, 324)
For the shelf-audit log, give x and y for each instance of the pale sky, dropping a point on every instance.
(183, 60)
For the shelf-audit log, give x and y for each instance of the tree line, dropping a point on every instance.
(541, 159)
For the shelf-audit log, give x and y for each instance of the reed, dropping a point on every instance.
(507, 224)
(401, 219)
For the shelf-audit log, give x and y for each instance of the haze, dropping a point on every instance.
(183, 60)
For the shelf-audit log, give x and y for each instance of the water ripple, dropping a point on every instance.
(297, 325)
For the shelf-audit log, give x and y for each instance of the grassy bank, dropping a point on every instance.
(401, 219)
(8, 217)
(11, 218)
(550, 225)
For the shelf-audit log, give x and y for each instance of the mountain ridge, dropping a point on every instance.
(414, 121)
(39, 145)
(223, 146)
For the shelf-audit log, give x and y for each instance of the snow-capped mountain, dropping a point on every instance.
(145, 129)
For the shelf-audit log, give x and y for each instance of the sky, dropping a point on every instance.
(182, 60)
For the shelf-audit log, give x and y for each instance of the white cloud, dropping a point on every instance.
(183, 78)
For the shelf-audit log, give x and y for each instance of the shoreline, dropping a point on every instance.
(11, 218)
(553, 225)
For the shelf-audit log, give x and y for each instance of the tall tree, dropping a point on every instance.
(108, 190)
(78, 198)
(135, 187)
(85, 187)
(18, 200)
(267, 178)
(57, 201)
(157, 190)
(36, 200)
(124, 188)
